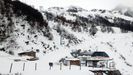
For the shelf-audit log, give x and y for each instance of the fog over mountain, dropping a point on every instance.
(128, 11)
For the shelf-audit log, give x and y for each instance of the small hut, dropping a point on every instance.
(31, 54)
(71, 61)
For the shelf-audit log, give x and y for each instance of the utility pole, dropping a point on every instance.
(60, 36)
(61, 39)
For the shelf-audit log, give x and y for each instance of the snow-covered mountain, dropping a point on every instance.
(19, 23)
(101, 30)
(23, 28)
(128, 11)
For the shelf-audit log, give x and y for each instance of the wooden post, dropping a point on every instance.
(60, 66)
(80, 66)
(107, 64)
(86, 63)
(70, 67)
(50, 67)
(23, 66)
(11, 68)
(35, 66)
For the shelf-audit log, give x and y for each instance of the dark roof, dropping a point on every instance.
(86, 53)
(101, 54)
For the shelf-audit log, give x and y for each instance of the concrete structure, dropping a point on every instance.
(97, 59)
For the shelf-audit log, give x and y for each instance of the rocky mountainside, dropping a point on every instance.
(23, 28)
(20, 21)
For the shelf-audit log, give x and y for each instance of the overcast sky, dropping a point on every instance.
(86, 4)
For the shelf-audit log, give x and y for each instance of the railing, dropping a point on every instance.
(19, 67)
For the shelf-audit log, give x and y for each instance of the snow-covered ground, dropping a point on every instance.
(42, 65)
(118, 46)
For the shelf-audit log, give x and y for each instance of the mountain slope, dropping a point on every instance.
(100, 30)
(23, 28)
(20, 26)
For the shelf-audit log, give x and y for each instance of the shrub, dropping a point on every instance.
(11, 52)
